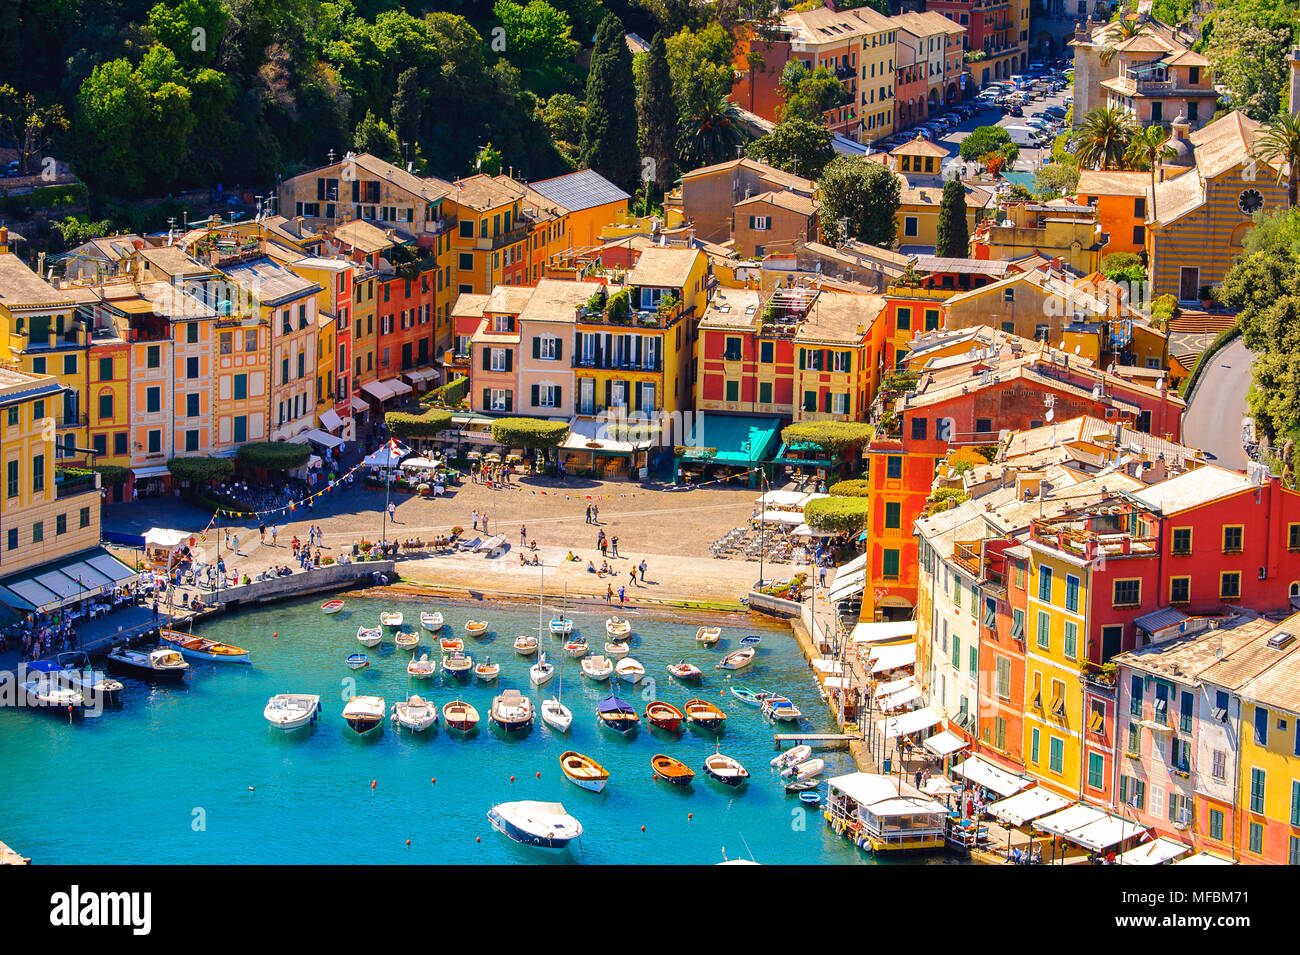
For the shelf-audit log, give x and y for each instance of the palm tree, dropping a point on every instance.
(1148, 148)
(1104, 138)
(712, 134)
(1281, 146)
(1123, 29)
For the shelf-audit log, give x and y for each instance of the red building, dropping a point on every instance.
(407, 330)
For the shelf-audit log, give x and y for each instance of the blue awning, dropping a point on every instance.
(739, 439)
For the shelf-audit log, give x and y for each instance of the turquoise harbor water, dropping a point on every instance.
(166, 778)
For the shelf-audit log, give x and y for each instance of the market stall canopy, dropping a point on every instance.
(892, 657)
(359, 404)
(397, 386)
(1158, 852)
(909, 723)
(901, 698)
(164, 537)
(823, 665)
(781, 499)
(788, 518)
(893, 686)
(589, 434)
(386, 457)
(945, 743)
(937, 785)
(985, 774)
(330, 421)
(882, 632)
(853, 566)
(803, 530)
(418, 464)
(1028, 805)
(1205, 858)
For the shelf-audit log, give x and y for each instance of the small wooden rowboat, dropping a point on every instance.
(616, 651)
(331, 606)
(618, 628)
(199, 648)
(577, 647)
(391, 618)
(737, 659)
(431, 621)
(753, 640)
(583, 771)
(525, 645)
(407, 639)
(684, 671)
(358, 661)
(704, 714)
(457, 664)
(708, 635)
(665, 716)
(476, 626)
(630, 669)
(487, 671)
(451, 644)
(370, 636)
(421, 669)
(726, 769)
(673, 770)
(460, 716)
(748, 696)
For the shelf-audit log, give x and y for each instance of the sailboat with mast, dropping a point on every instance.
(554, 713)
(561, 625)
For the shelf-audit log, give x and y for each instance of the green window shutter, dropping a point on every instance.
(509, 400)
(487, 398)
(535, 387)
(559, 349)
(559, 395)
(609, 391)
(487, 359)
(801, 359)
(509, 359)
(537, 349)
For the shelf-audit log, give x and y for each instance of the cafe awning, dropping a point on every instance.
(788, 518)
(843, 588)
(891, 657)
(1157, 852)
(66, 581)
(158, 470)
(883, 632)
(358, 404)
(397, 386)
(944, 743)
(589, 434)
(329, 420)
(892, 702)
(781, 499)
(893, 686)
(323, 438)
(985, 774)
(379, 390)
(909, 723)
(738, 440)
(1205, 858)
(1028, 805)
(856, 564)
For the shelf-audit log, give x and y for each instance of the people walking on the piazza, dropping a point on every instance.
(261, 529)
(275, 531)
(485, 520)
(614, 544)
(474, 514)
(643, 571)
(523, 535)
(588, 513)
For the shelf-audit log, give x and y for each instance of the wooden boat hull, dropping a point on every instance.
(390, 619)
(361, 725)
(705, 714)
(561, 628)
(618, 629)
(689, 672)
(525, 648)
(370, 636)
(737, 660)
(664, 716)
(487, 673)
(616, 651)
(197, 648)
(331, 606)
(460, 716)
(671, 770)
(432, 622)
(475, 627)
(726, 771)
(583, 771)
(357, 661)
(576, 649)
(451, 644)
(708, 635)
(623, 725)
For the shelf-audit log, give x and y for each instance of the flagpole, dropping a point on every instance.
(388, 487)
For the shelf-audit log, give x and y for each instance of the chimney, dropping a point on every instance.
(138, 244)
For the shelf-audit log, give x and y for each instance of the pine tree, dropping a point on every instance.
(609, 133)
(953, 238)
(658, 112)
(408, 106)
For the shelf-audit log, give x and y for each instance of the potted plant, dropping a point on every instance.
(424, 490)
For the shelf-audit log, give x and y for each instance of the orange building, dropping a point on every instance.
(1121, 200)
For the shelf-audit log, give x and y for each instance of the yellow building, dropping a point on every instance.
(858, 47)
(832, 362)
(1055, 229)
(41, 334)
(41, 521)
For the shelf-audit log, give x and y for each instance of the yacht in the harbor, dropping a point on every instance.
(162, 663)
(365, 713)
(545, 825)
(291, 711)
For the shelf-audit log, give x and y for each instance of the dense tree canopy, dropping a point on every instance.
(865, 195)
(796, 145)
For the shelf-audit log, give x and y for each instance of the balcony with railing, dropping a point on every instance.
(502, 239)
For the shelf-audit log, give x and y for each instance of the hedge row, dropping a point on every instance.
(833, 437)
(840, 515)
(529, 433)
(426, 425)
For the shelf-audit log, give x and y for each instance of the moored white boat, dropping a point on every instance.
(577, 647)
(365, 713)
(162, 663)
(357, 661)
(416, 713)
(431, 621)
(708, 635)
(78, 673)
(617, 715)
(805, 770)
(684, 671)
(629, 669)
(736, 659)
(476, 627)
(725, 769)
(753, 640)
(423, 668)
(457, 664)
(511, 710)
(618, 628)
(487, 671)
(561, 626)
(780, 708)
(451, 644)
(597, 668)
(407, 639)
(545, 825)
(795, 754)
(369, 636)
(390, 618)
(525, 645)
(616, 651)
(46, 690)
(748, 696)
(541, 672)
(291, 711)
(331, 606)
(556, 715)
(583, 771)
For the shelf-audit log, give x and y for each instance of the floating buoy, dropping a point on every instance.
(478, 838)
(539, 775)
(643, 828)
(433, 780)
(274, 635)
(512, 779)
(690, 815)
(374, 783)
(408, 842)
(250, 789)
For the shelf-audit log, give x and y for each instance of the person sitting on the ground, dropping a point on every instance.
(591, 568)
(532, 545)
(570, 556)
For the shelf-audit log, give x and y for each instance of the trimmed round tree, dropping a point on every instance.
(856, 487)
(201, 470)
(273, 455)
(837, 515)
(833, 437)
(111, 475)
(426, 425)
(530, 433)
